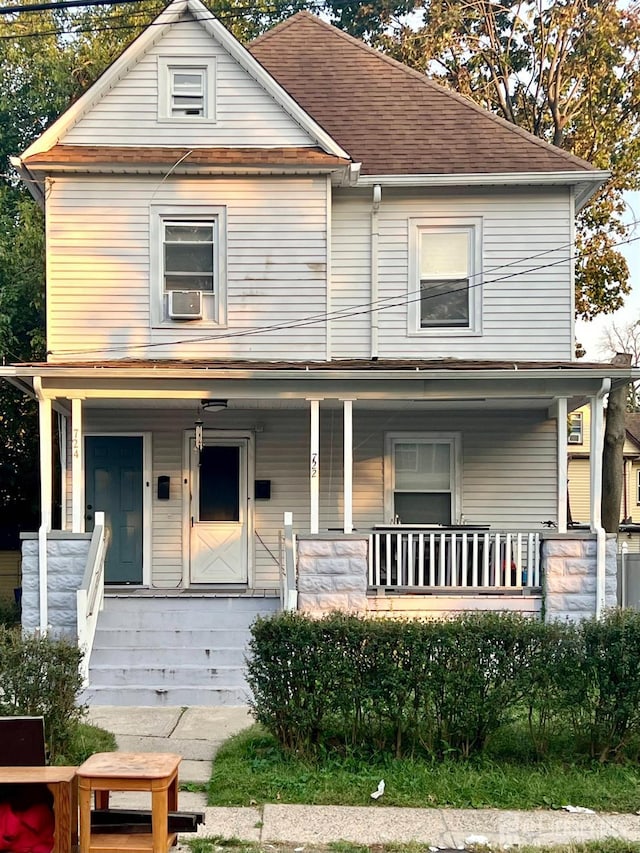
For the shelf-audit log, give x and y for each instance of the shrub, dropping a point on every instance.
(40, 676)
(609, 698)
(9, 613)
(393, 685)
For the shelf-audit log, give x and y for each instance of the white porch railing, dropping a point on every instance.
(90, 595)
(457, 559)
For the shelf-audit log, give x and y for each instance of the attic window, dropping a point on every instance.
(186, 89)
(187, 93)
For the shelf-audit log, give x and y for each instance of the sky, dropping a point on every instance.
(590, 334)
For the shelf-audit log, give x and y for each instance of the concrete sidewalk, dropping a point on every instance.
(197, 733)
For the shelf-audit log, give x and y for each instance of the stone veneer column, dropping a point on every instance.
(332, 575)
(569, 571)
(67, 553)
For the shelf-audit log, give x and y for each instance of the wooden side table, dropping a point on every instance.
(61, 783)
(129, 771)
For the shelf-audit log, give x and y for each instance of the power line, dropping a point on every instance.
(238, 14)
(340, 314)
(69, 4)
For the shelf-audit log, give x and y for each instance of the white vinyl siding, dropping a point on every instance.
(526, 310)
(245, 115)
(98, 234)
(507, 471)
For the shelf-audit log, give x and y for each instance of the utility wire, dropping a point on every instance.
(69, 4)
(340, 314)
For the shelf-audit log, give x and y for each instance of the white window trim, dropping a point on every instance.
(165, 65)
(215, 317)
(472, 224)
(454, 439)
(638, 486)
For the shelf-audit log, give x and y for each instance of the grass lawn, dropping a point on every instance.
(251, 769)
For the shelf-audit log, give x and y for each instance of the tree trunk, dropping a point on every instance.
(612, 452)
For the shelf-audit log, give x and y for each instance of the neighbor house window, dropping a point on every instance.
(444, 277)
(186, 90)
(575, 428)
(422, 476)
(188, 264)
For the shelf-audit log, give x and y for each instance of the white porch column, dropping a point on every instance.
(314, 467)
(77, 467)
(563, 465)
(46, 495)
(595, 461)
(348, 465)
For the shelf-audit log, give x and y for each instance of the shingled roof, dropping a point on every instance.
(391, 118)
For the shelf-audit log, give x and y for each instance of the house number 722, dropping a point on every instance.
(314, 465)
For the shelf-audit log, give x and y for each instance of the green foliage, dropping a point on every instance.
(40, 676)
(84, 740)
(445, 688)
(9, 613)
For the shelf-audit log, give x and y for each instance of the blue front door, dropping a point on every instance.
(114, 486)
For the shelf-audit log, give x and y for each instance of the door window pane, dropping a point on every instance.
(219, 498)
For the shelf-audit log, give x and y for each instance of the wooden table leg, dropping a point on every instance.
(173, 794)
(84, 801)
(159, 819)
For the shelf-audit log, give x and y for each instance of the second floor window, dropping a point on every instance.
(189, 255)
(187, 264)
(445, 265)
(444, 277)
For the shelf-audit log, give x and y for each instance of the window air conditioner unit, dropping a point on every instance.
(185, 304)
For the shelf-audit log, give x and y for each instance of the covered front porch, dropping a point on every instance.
(453, 469)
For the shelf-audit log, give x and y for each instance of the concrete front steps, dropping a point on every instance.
(173, 649)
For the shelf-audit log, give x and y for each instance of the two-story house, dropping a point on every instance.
(310, 333)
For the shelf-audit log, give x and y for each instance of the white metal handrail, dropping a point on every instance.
(288, 586)
(449, 559)
(90, 595)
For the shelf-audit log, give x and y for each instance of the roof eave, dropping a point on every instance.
(586, 183)
(34, 184)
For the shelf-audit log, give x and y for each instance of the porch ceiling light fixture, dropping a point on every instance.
(214, 405)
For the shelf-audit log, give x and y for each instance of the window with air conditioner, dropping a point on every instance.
(186, 89)
(188, 265)
(445, 281)
(575, 428)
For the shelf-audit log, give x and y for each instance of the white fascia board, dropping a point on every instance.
(51, 371)
(108, 79)
(261, 76)
(35, 186)
(587, 182)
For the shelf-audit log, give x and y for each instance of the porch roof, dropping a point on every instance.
(144, 366)
(516, 384)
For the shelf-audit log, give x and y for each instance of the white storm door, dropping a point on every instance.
(219, 529)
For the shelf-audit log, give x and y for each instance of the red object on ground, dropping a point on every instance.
(28, 831)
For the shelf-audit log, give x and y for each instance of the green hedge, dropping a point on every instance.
(445, 687)
(40, 676)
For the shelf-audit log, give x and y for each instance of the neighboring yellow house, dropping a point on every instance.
(9, 573)
(579, 428)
